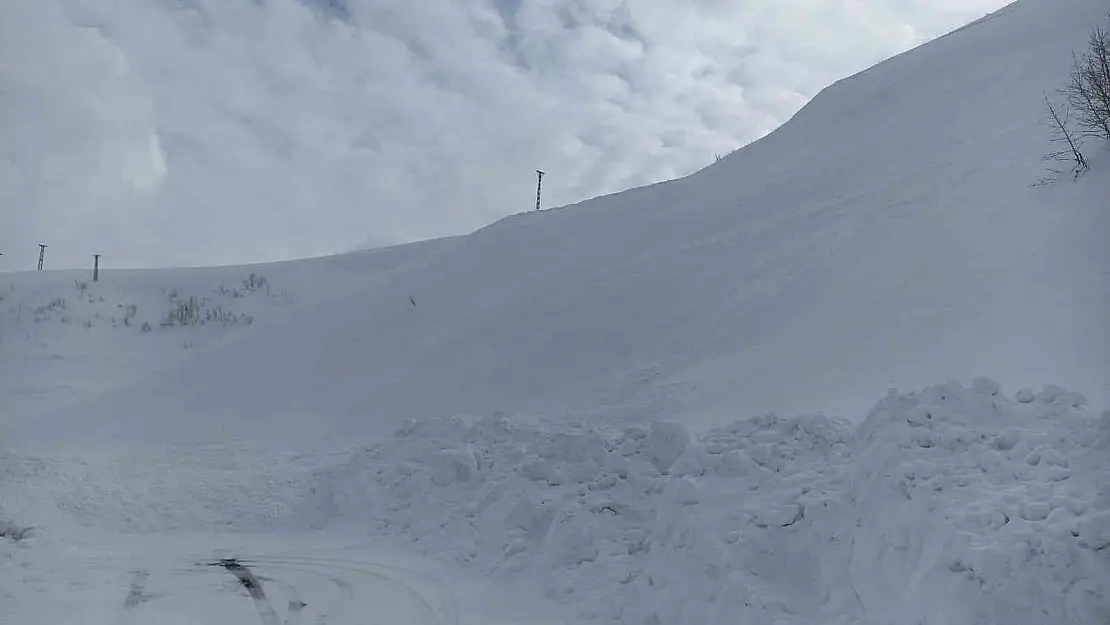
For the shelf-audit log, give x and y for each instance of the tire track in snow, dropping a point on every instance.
(135, 596)
(443, 614)
(359, 590)
(248, 580)
(129, 586)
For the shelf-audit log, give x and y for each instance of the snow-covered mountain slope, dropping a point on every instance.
(886, 235)
(64, 337)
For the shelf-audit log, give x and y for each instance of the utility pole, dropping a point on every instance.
(96, 267)
(42, 253)
(539, 186)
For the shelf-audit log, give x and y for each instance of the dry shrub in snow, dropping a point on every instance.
(1089, 90)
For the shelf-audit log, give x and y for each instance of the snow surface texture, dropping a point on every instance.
(65, 338)
(887, 235)
(91, 524)
(96, 335)
(947, 506)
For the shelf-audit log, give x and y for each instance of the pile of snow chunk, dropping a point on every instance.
(974, 508)
(948, 506)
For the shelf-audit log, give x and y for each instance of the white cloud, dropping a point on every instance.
(208, 131)
(80, 155)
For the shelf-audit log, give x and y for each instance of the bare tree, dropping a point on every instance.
(1088, 92)
(1087, 100)
(1066, 144)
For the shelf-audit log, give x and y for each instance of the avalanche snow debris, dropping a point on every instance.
(950, 505)
(452, 465)
(667, 442)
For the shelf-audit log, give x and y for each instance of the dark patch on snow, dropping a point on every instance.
(13, 532)
(248, 580)
(137, 594)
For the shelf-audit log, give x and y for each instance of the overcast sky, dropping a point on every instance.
(167, 132)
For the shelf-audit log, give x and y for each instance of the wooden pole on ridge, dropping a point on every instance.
(539, 186)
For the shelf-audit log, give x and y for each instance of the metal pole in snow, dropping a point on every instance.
(539, 186)
(96, 267)
(42, 253)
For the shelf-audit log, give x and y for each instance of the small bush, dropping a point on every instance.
(194, 311)
(42, 313)
(185, 312)
(251, 283)
(254, 282)
(129, 313)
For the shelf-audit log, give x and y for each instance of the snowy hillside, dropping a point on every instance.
(566, 416)
(887, 235)
(64, 337)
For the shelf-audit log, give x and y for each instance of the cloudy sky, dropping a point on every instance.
(168, 132)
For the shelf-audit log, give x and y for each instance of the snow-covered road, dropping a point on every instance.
(200, 579)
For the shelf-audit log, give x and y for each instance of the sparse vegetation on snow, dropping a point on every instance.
(1084, 112)
(88, 307)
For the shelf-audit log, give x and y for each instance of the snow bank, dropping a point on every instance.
(952, 505)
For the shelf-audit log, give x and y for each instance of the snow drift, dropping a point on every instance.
(948, 506)
(887, 235)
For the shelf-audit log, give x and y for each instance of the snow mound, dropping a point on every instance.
(975, 508)
(951, 505)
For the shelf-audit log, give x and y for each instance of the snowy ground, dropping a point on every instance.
(112, 538)
(208, 580)
(65, 337)
(951, 505)
(563, 418)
